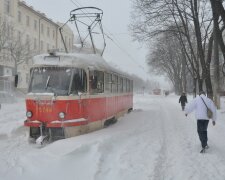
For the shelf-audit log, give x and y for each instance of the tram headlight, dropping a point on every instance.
(29, 114)
(61, 115)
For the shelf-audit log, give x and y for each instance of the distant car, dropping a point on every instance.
(157, 91)
(167, 92)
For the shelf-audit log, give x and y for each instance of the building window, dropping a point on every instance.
(48, 32)
(28, 42)
(42, 45)
(7, 6)
(42, 29)
(69, 43)
(19, 77)
(35, 25)
(19, 36)
(27, 38)
(35, 43)
(65, 40)
(53, 34)
(27, 20)
(19, 16)
(27, 77)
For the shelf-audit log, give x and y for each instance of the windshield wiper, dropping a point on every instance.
(47, 82)
(48, 87)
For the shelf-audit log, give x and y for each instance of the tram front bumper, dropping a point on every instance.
(57, 123)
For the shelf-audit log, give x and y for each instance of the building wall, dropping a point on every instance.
(34, 27)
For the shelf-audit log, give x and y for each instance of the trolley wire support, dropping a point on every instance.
(91, 18)
(64, 43)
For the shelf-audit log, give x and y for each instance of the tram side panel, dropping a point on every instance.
(96, 110)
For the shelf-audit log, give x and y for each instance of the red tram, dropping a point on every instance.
(72, 94)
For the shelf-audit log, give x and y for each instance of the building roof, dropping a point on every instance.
(38, 13)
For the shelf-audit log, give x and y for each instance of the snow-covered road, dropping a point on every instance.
(154, 142)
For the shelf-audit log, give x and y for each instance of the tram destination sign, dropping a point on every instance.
(51, 60)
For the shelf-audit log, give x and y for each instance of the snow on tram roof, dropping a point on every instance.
(71, 59)
(91, 61)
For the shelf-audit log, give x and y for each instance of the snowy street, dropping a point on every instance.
(154, 142)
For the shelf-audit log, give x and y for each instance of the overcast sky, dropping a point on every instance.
(129, 56)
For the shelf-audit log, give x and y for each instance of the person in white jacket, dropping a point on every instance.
(200, 109)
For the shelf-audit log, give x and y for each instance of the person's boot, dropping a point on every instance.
(203, 150)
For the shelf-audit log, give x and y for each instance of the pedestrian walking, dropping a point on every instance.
(201, 104)
(183, 100)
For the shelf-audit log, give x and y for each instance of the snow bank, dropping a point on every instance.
(155, 141)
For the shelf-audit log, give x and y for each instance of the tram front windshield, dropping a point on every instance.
(58, 80)
(50, 80)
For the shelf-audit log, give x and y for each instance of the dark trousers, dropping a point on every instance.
(182, 106)
(202, 126)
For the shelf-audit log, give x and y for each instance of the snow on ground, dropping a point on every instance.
(154, 142)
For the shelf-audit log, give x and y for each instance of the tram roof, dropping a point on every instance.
(79, 60)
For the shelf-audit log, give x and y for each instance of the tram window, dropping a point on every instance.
(117, 84)
(124, 85)
(79, 81)
(108, 82)
(59, 80)
(114, 83)
(128, 85)
(131, 86)
(96, 80)
(50, 79)
(120, 85)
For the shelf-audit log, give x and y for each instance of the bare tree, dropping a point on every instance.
(192, 24)
(217, 11)
(167, 59)
(3, 35)
(20, 50)
(14, 46)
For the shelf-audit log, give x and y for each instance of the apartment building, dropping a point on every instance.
(36, 32)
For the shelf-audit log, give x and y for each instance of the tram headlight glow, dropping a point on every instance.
(29, 114)
(61, 115)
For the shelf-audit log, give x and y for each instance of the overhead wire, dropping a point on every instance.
(77, 4)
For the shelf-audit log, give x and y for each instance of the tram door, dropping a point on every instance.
(79, 87)
(96, 89)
